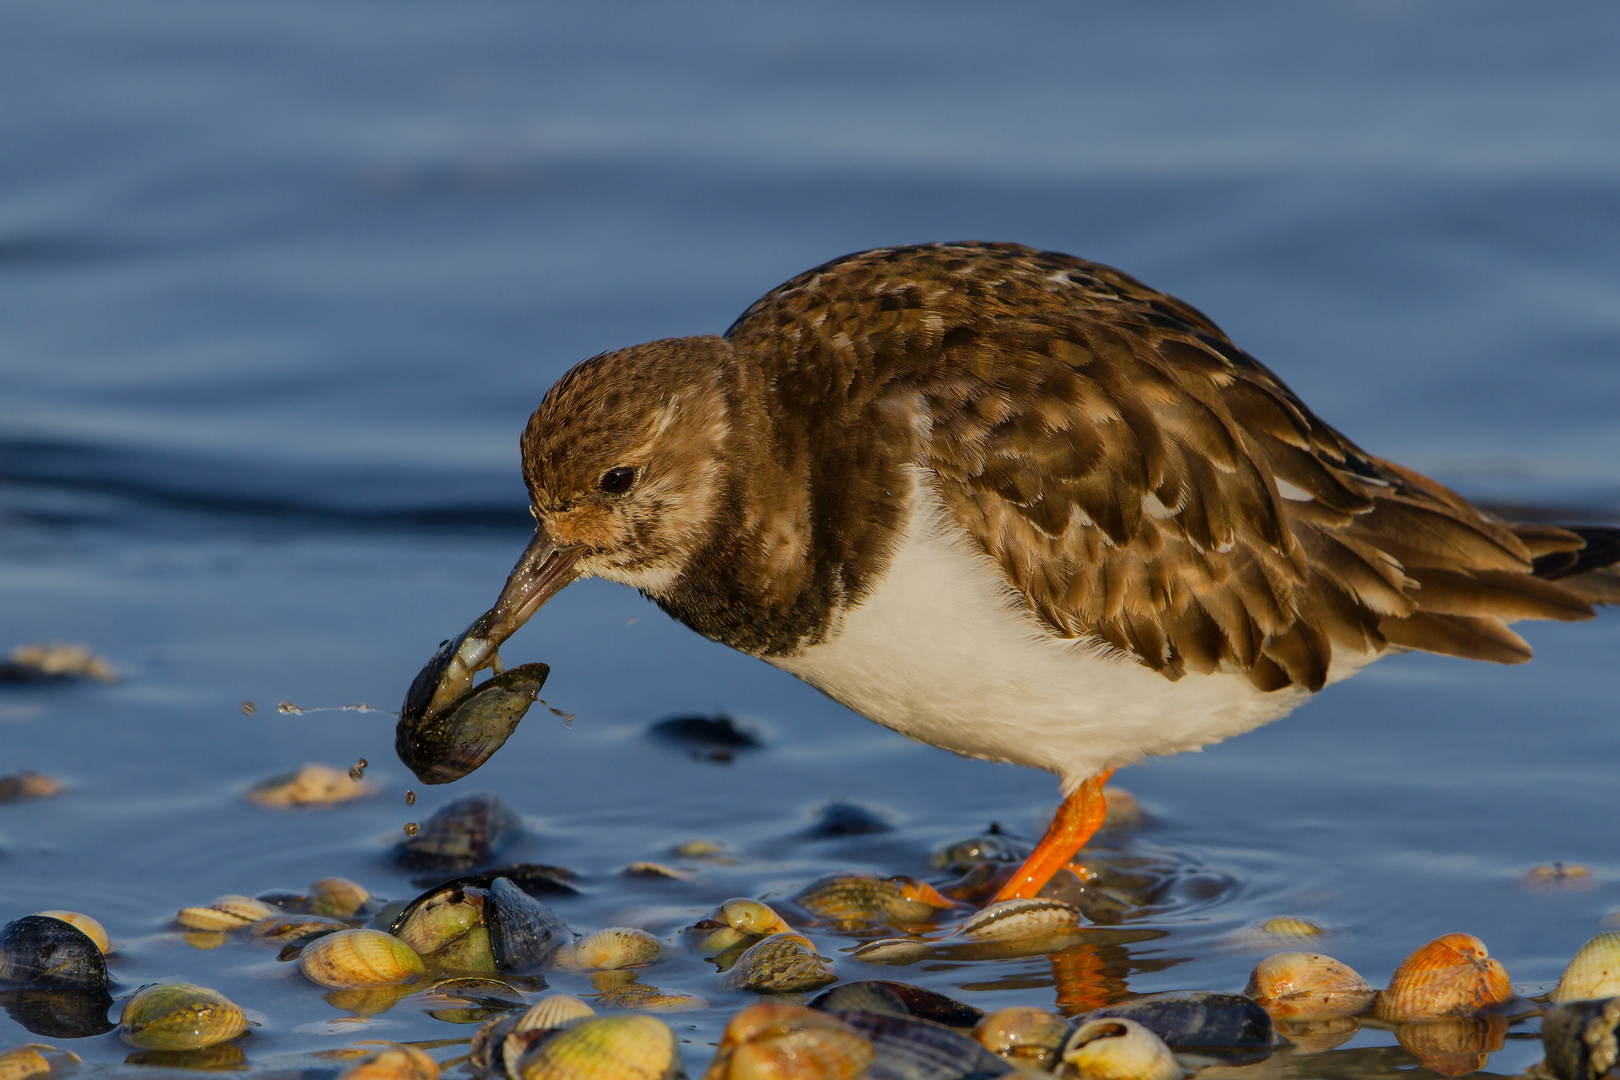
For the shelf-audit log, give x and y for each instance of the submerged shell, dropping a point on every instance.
(360, 958)
(34, 1059)
(1227, 1025)
(85, 924)
(288, 929)
(629, 1047)
(45, 952)
(1593, 972)
(1318, 1036)
(395, 1063)
(1308, 986)
(312, 785)
(1023, 1035)
(789, 1042)
(781, 963)
(881, 995)
(225, 914)
(992, 846)
(461, 834)
(180, 1016)
(1290, 926)
(1455, 1046)
(1452, 975)
(1116, 1049)
(860, 897)
(607, 950)
(460, 738)
(1014, 920)
(909, 1048)
(338, 897)
(1581, 1039)
(636, 995)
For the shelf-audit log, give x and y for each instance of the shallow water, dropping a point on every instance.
(280, 283)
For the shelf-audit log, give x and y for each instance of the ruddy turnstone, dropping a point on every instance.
(1020, 506)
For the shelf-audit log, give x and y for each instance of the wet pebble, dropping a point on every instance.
(180, 1016)
(312, 785)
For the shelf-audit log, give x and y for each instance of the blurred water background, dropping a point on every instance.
(280, 283)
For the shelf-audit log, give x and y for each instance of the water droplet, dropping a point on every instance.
(410, 798)
(412, 828)
(288, 707)
(248, 708)
(364, 764)
(357, 771)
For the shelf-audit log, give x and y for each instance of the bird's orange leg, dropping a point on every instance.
(1080, 816)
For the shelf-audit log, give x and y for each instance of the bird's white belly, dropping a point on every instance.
(940, 651)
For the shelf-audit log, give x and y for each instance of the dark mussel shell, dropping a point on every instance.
(909, 1048)
(454, 742)
(60, 1014)
(45, 953)
(460, 835)
(535, 879)
(847, 819)
(881, 995)
(523, 932)
(1579, 1038)
(1228, 1026)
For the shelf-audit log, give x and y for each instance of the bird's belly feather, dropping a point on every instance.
(941, 651)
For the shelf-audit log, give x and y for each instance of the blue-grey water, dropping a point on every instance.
(279, 284)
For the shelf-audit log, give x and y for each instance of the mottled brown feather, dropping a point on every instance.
(1119, 459)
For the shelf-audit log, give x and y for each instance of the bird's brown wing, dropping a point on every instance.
(1142, 481)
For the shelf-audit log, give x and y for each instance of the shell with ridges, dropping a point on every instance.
(606, 950)
(1024, 1035)
(1593, 972)
(1116, 1049)
(180, 1016)
(859, 897)
(553, 1010)
(360, 958)
(1291, 926)
(1452, 975)
(87, 926)
(24, 1061)
(779, 1030)
(1308, 986)
(225, 914)
(629, 1047)
(781, 963)
(395, 1063)
(338, 897)
(1013, 920)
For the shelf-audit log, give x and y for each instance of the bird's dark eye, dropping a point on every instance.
(618, 481)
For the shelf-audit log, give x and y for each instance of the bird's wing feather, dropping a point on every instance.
(1126, 467)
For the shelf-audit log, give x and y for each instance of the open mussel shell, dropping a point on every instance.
(1580, 1039)
(910, 1048)
(180, 1016)
(1228, 1026)
(44, 952)
(91, 927)
(881, 995)
(452, 743)
(523, 932)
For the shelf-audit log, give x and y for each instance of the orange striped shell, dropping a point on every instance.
(1452, 975)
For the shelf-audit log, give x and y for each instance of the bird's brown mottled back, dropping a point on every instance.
(1138, 478)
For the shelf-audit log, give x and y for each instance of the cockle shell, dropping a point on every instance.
(34, 1059)
(225, 914)
(1024, 1035)
(312, 785)
(553, 1010)
(1593, 972)
(395, 1063)
(338, 897)
(629, 1047)
(180, 1016)
(1014, 920)
(771, 1041)
(360, 958)
(1290, 926)
(1452, 975)
(1308, 986)
(1115, 1049)
(862, 897)
(607, 950)
(85, 924)
(781, 963)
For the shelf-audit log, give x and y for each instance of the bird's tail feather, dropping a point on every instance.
(1593, 571)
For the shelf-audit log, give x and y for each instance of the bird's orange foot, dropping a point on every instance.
(1080, 816)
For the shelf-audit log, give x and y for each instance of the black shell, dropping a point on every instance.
(909, 1048)
(881, 995)
(1577, 1048)
(523, 932)
(452, 744)
(460, 835)
(1225, 1025)
(45, 953)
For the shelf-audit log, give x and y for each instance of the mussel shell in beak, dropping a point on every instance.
(448, 745)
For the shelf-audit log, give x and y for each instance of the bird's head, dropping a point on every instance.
(624, 461)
